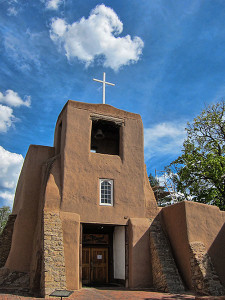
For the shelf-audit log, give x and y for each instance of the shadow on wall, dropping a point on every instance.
(142, 273)
(166, 277)
(217, 254)
(37, 277)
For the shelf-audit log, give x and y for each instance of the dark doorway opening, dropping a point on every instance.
(97, 255)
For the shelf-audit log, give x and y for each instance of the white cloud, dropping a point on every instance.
(8, 199)
(22, 50)
(13, 8)
(53, 4)
(12, 11)
(13, 99)
(58, 28)
(10, 98)
(6, 118)
(10, 166)
(164, 138)
(97, 38)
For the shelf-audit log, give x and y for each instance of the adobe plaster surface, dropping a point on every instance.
(83, 169)
(26, 206)
(71, 242)
(205, 223)
(190, 222)
(140, 271)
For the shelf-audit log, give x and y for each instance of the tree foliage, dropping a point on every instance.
(200, 170)
(153, 180)
(162, 196)
(5, 211)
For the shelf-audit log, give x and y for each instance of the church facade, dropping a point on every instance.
(85, 214)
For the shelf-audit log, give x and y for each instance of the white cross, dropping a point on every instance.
(103, 88)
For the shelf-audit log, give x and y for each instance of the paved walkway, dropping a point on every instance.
(108, 293)
(115, 293)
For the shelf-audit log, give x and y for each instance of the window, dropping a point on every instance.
(106, 192)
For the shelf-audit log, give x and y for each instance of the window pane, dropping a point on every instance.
(106, 191)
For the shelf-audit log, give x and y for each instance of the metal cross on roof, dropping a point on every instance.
(103, 88)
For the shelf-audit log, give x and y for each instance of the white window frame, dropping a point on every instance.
(101, 180)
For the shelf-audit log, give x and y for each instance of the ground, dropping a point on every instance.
(110, 294)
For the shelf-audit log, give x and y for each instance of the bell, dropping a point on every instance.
(99, 135)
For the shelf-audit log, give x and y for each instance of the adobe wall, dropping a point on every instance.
(140, 270)
(188, 223)
(26, 208)
(83, 169)
(71, 242)
(174, 219)
(205, 223)
(50, 188)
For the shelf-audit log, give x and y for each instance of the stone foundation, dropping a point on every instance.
(165, 273)
(54, 276)
(204, 277)
(6, 239)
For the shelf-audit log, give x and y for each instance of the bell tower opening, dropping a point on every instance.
(105, 137)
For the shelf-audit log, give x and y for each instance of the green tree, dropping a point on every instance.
(200, 170)
(5, 211)
(153, 180)
(161, 194)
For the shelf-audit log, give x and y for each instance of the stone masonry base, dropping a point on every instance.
(165, 273)
(54, 276)
(204, 277)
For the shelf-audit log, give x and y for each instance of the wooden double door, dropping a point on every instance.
(94, 265)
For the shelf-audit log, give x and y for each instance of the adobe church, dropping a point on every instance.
(85, 214)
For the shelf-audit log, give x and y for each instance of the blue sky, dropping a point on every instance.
(166, 58)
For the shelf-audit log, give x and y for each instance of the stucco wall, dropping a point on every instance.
(83, 169)
(53, 187)
(50, 189)
(205, 223)
(140, 270)
(174, 218)
(26, 207)
(71, 242)
(188, 222)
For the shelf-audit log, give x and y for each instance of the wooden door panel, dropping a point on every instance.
(99, 258)
(86, 265)
(94, 265)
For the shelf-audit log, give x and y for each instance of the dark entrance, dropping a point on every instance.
(97, 254)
